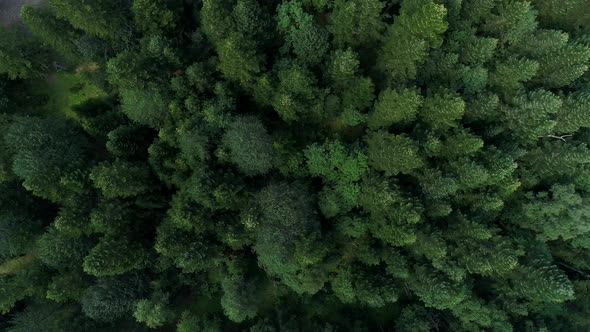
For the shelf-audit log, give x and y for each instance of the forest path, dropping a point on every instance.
(10, 10)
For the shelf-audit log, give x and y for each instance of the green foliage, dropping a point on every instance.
(113, 297)
(285, 240)
(237, 61)
(20, 55)
(395, 107)
(542, 282)
(240, 298)
(60, 251)
(55, 318)
(121, 179)
(190, 323)
(153, 16)
(393, 154)
(442, 111)
(295, 165)
(571, 116)
(308, 40)
(114, 256)
(296, 93)
(144, 106)
(108, 21)
(152, 314)
(512, 22)
(435, 290)
(416, 30)
(45, 157)
(249, 145)
(557, 214)
(361, 286)
(18, 226)
(530, 116)
(356, 23)
(341, 170)
(391, 213)
(66, 287)
(560, 62)
(414, 319)
(56, 33)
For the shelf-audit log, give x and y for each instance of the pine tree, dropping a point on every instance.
(109, 18)
(62, 252)
(121, 179)
(542, 282)
(408, 40)
(237, 61)
(153, 16)
(512, 22)
(286, 230)
(241, 297)
(341, 169)
(113, 297)
(308, 40)
(393, 217)
(54, 32)
(145, 106)
(356, 23)
(395, 107)
(112, 256)
(21, 56)
(393, 154)
(530, 115)
(45, 156)
(441, 111)
(435, 290)
(555, 214)
(296, 93)
(561, 62)
(153, 314)
(572, 115)
(249, 145)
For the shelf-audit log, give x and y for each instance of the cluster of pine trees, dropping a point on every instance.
(298, 165)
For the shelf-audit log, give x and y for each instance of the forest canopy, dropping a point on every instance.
(296, 165)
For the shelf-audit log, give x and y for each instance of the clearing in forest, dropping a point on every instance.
(65, 90)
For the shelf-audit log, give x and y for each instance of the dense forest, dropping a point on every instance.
(296, 165)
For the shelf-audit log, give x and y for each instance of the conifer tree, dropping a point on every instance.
(408, 40)
(57, 33)
(109, 19)
(45, 156)
(395, 107)
(249, 145)
(354, 23)
(393, 154)
(121, 179)
(20, 55)
(295, 165)
(113, 256)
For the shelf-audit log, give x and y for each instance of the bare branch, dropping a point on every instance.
(562, 137)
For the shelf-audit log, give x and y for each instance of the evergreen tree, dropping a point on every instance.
(356, 23)
(121, 179)
(393, 154)
(249, 145)
(54, 32)
(109, 19)
(408, 40)
(46, 158)
(113, 297)
(285, 233)
(20, 55)
(114, 256)
(295, 165)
